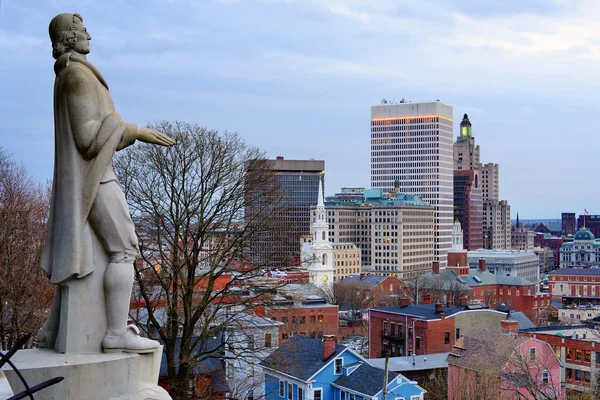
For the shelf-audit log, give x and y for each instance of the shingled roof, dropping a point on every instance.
(365, 379)
(300, 357)
(483, 349)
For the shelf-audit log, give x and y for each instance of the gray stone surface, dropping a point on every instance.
(98, 376)
(90, 244)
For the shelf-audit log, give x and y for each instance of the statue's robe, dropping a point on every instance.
(88, 131)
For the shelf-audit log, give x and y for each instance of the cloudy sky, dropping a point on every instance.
(297, 78)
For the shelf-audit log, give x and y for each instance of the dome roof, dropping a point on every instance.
(584, 234)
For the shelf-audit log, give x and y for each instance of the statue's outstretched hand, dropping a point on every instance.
(151, 136)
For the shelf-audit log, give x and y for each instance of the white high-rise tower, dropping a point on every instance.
(320, 252)
(412, 143)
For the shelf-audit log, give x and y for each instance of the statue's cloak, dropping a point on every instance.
(87, 132)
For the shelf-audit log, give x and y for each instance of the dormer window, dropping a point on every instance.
(338, 362)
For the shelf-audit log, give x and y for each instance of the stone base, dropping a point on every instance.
(101, 376)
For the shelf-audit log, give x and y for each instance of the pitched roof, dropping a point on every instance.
(522, 319)
(365, 379)
(300, 357)
(476, 277)
(483, 349)
(576, 271)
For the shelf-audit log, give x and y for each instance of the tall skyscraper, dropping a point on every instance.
(299, 180)
(468, 207)
(412, 143)
(496, 212)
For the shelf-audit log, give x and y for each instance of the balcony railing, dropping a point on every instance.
(392, 335)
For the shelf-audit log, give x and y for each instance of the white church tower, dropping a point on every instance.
(457, 236)
(320, 251)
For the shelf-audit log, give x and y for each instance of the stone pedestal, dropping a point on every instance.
(101, 376)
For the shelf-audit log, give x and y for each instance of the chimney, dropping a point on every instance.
(509, 326)
(403, 302)
(279, 158)
(436, 267)
(442, 316)
(260, 311)
(329, 342)
(439, 308)
(482, 264)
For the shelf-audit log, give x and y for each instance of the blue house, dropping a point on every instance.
(311, 369)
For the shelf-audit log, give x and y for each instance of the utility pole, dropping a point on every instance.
(385, 375)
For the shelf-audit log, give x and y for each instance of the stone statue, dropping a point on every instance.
(87, 202)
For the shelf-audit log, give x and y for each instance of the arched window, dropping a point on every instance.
(324, 259)
(323, 235)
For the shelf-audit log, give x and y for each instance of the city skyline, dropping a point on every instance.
(298, 78)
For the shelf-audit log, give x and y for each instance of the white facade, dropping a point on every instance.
(524, 264)
(320, 250)
(250, 339)
(583, 250)
(413, 143)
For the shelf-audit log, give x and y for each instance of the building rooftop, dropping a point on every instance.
(482, 349)
(365, 379)
(300, 357)
(578, 332)
(370, 280)
(576, 271)
(584, 234)
(491, 254)
(422, 311)
(403, 364)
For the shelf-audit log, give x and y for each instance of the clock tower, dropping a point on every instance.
(320, 262)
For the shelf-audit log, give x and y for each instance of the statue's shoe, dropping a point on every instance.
(129, 342)
(46, 339)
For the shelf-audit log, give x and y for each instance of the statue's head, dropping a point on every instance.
(67, 33)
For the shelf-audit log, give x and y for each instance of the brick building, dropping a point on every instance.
(568, 223)
(578, 348)
(487, 289)
(546, 240)
(591, 222)
(311, 317)
(577, 285)
(426, 328)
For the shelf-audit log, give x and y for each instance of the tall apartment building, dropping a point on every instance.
(568, 223)
(393, 232)
(412, 143)
(496, 212)
(299, 180)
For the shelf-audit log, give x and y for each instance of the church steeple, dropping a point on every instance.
(518, 225)
(320, 225)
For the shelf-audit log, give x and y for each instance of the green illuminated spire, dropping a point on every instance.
(465, 127)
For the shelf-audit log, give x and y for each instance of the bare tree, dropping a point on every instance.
(25, 293)
(196, 233)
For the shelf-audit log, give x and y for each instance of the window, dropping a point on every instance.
(385, 328)
(313, 319)
(568, 374)
(251, 342)
(300, 393)
(446, 337)
(587, 356)
(267, 340)
(351, 396)
(578, 354)
(320, 318)
(338, 366)
(532, 353)
(290, 391)
(587, 376)
(457, 333)
(544, 377)
(281, 389)
(318, 394)
(418, 343)
(569, 353)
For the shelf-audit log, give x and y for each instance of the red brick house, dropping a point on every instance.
(577, 285)
(427, 328)
(312, 317)
(488, 289)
